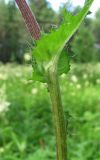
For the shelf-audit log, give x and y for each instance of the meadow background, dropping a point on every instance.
(26, 126)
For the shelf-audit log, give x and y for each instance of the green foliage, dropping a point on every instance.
(11, 29)
(14, 39)
(26, 129)
(47, 16)
(14, 44)
(49, 48)
(96, 26)
(83, 45)
(42, 154)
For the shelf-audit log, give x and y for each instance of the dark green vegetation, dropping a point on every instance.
(14, 38)
(26, 131)
(15, 41)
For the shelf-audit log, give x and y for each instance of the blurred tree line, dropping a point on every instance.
(15, 41)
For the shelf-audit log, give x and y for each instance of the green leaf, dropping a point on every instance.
(49, 48)
(38, 71)
(63, 63)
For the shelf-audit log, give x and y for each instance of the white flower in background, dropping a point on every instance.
(85, 76)
(30, 81)
(63, 75)
(3, 76)
(18, 74)
(86, 83)
(34, 91)
(24, 81)
(74, 78)
(98, 81)
(27, 57)
(73, 93)
(4, 104)
(42, 85)
(78, 86)
(1, 150)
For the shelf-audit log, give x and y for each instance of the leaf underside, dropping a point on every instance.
(51, 45)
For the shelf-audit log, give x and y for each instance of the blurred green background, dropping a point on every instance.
(26, 126)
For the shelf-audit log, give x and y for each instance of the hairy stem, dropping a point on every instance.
(58, 114)
(29, 18)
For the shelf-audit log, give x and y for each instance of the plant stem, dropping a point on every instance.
(29, 18)
(58, 114)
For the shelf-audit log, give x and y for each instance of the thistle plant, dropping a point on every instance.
(49, 61)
